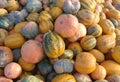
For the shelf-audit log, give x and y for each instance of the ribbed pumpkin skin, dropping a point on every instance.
(30, 30)
(64, 78)
(16, 54)
(3, 12)
(33, 17)
(35, 53)
(6, 56)
(63, 66)
(14, 40)
(3, 3)
(4, 79)
(54, 45)
(45, 67)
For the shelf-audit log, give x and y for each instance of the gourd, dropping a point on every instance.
(3, 3)
(59, 3)
(3, 12)
(33, 17)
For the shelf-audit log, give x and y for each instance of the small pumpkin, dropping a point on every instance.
(14, 40)
(54, 45)
(114, 21)
(12, 70)
(16, 54)
(64, 78)
(24, 13)
(35, 53)
(23, 2)
(4, 79)
(66, 25)
(88, 42)
(59, 3)
(3, 12)
(6, 56)
(63, 66)
(85, 63)
(113, 77)
(3, 3)
(97, 17)
(33, 17)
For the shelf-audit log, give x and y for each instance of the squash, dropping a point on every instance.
(24, 74)
(86, 17)
(88, 42)
(3, 12)
(114, 77)
(117, 32)
(98, 55)
(63, 66)
(101, 81)
(35, 53)
(39, 38)
(114, 21)
(75, 47)
(85, 63)
(105, 43)
(115, 2)
(25, 66)
(33, 17)
(71, 6)
(97, 16)
(117, 6)
(66, 25)
(64, 78)
(3, 35)
(99, 73)
(118, 41)
(12, 5)
(50, 76)
(6, 56)
(16, 54)
(81, 32)
(44, 67)
(12, 70)
(111, 67)
(107, 26)
(94, 30)
(4, 79)
(108, 5)
(59, 3)
(54, 45)
(15, 40)
(30, 30)
(3, 3)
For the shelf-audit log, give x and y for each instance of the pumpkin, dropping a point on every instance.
(63, 66)
(117, 6)
(113, 78)
(114, 21)
(99, 73)
(5, 23)
(105, 43)
(3, 12)
(68, 54)
(3, 3)
(4, 79)
(35, 53)
(30, 30)
(59, 3)
(12, 5)
(82, 77)
(107, 26)
(111, 67)
(94, 30)
(75, 47)
(97, 17)
(54, 45)
(24, 13)
(115, 2)
(16, 54)
(117, 32)
(118, 41)
(3, 35)
(14, 40)
(24, 74)
(19, 26)
(39, 38)
(50, 76)
(108, 5)
(6, 56)
(12, 70)
(66, 25)
(113, 14)
(55, 12)
(101, 81)
(85, 63)
(44, 67)
(88, 42)
(86, 17)
(98, 55)
(102, 16)
(64, 78)
(25, 66)
(34, 6)
(81, 32)
(71, 6)
(33, 17)
(88, 4)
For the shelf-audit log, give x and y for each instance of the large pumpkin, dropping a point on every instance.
(54, 45)
(15, 40)
(85, 63)
(6, 56)
(35, 51)
(66, 25)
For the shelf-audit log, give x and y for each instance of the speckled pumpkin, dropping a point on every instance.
(3, 12)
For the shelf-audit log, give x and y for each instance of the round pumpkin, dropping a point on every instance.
(66, 25)
(35, 51)
(85, 63)
(15, 40)
(6, 56)
(3, 12)
(16, 54)
(12, 70)
(4, 79)
(88, 42)
(33, 17)
(64, 78)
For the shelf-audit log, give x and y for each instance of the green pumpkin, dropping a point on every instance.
(53, 44)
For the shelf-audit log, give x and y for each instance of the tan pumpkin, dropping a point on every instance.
(3, 12)
(85, 63)
(15, 40)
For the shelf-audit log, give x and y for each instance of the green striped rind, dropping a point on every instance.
(54, 45)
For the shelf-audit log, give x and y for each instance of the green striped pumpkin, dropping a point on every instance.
(54, 45)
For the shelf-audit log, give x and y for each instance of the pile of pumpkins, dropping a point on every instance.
(59, 40)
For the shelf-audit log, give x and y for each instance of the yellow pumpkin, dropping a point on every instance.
(59, 3)
(3, 12)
